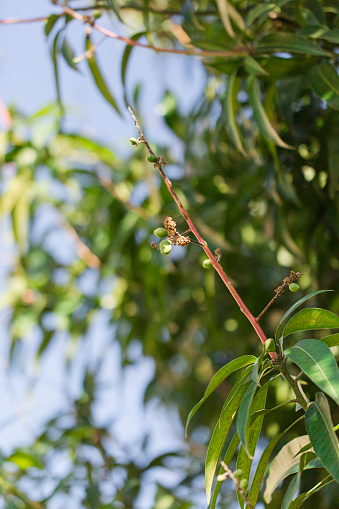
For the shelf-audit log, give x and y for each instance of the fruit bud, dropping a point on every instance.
(243, 483)
(96, 14)
(294, 287)
(207, 264)
(134, 141)
(165, 247)
(152, 158)
(238, 472)
(161, 233)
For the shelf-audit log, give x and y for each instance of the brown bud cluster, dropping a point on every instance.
(182, 241)
(170, 226)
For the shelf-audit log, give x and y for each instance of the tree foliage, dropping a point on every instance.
(259, 174)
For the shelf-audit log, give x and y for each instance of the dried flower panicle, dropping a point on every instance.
(170, 226)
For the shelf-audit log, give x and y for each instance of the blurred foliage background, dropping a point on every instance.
(257, 167)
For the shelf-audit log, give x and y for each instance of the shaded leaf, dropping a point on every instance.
(243, 416)
(125, 60)
(98, 78)
(311, 319)
(324, 81)
(219, 377)
(51, 20)
(68, 54)
(260, 115)
(289, 43)
(230, 111)
(319, 364)
(292, 489)
(253, 67)
(304, 496)
(319, 427)
(227, 459)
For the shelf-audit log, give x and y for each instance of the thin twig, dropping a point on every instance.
(229, 473)
(13, 21)
(278, 291)
(202, 242)
(235, 52)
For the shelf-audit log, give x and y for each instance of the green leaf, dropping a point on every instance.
(244, 462)
(24, 460)
(224, 10)
(304, 496)
(55, 50)
(311, 319)
(260, 115)
(125, 60)
(230, 112)
(319, 364)
(227, 459)
(331, 36)
(285, 463)
(292, 489)
(68, 54)
(262, 413)
(219, 377)
(98, 78)
(262, 465)
(289, 43)
(333, 161)
(261, 9)
(51, 20)
(319, 427)
(292, 308)
(253, 67)
(220, 434)
(324, 81)
(243, 416)
(331, 340)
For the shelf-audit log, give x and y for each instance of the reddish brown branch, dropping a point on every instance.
(241, 50)
(13, 21)
(203, 243)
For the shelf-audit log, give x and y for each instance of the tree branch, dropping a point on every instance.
(203, 243)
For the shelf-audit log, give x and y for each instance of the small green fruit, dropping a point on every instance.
(207, 264)
(152, 158)
(161, 233)
(243, 483)
(238, 472)
(134, 141)
(96, 14)
(165, 247)
(294, 287)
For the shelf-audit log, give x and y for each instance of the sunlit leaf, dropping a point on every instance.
(24, 460)
(224, 9)
(311, 319)
(219, 377)
(219, 436)
(286, 462)
(292, 308)
(262, 465)
(331, 340)
(318, 363)
(319, 427)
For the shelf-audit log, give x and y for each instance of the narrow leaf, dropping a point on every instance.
(68, 54)
(262, 465)
(265, 126)
(230, 112)
(219, 436)
(219, 377)
(51, 20)
(292, 489)
(125, 60)
(244, 462)
(332, 340)
(224, 10)
(231, 449)
(292, 308)
(319, 426)
(56, 70)
(319, 364)
(289, 43)
(324, 81)
(253, 67)
(304, 496)
(285, 463)
(311, 319)
(244, 412)
(98, 78)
